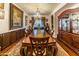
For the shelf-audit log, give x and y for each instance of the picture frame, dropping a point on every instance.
(52, 21)
(25, 20)
(2, 11)
(16, 17)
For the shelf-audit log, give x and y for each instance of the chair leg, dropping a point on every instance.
(22, 51)
(55, 51)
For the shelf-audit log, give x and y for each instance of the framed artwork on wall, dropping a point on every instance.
(1, 10)
(52, 21)
(16, 17)
(25, 20)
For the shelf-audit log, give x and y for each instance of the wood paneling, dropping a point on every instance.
(0, 39)
(5, 40)
(68, 11)
(76, 41)
(70, 40)
(12, 36)
(8, 38)
(67, 37)
(67, 49)
(18, 34)
(22, 33)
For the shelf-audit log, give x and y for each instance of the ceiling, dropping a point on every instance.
(44, 8)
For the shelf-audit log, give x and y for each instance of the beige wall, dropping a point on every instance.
(4, 23)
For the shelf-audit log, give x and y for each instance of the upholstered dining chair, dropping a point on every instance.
(39, 46)
(25, 50)
(52, 48)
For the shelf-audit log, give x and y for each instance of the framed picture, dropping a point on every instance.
(1, 10)
(16, 17)
(52, 21)
(25, 20)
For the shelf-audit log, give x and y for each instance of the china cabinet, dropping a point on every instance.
(68, 28)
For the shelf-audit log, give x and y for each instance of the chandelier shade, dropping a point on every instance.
(37, 14)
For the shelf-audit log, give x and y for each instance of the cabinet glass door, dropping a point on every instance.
(68, 26)
(65, 24)
(75, 26)
(75, 23)
(59, 24)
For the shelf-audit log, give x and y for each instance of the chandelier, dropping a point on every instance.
(37, 14)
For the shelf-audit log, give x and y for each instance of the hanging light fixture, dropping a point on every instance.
(37, 14)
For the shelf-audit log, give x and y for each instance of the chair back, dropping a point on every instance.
(39, 45)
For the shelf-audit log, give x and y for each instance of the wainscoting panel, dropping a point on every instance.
(69, 39)
(8, 38)
(0, 40)
(5, 40)
(12, 36)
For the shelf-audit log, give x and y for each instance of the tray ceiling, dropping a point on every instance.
(44, 8)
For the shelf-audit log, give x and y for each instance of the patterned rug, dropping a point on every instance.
(14, 50)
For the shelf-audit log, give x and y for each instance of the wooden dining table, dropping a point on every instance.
(26, 41)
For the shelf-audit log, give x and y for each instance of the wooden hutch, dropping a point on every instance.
(68, 29)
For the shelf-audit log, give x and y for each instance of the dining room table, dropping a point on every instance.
(27, 39)
(26, 42)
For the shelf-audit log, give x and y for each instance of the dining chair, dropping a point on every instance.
(25, 50)
(52, 48)
(39, 46)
